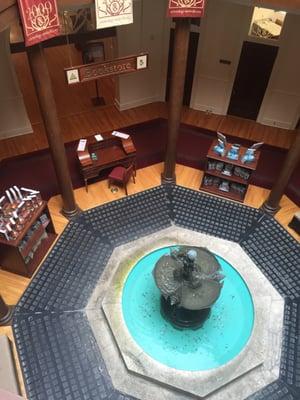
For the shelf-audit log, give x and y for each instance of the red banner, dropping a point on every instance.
(40, 20)
(186, 8)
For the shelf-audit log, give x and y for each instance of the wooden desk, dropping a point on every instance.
(110, 152)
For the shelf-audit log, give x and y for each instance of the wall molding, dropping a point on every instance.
(207, 108)
(137, 103)
(290, 124)
(18, 97)
(23, 130)
(276, 123)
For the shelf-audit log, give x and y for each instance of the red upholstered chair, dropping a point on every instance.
(121, 175)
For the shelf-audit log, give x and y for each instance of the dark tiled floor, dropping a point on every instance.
(276, 391)
(61, 359)
(277, 254)
(290, 358)
(131, 217)
(69, 273)
(57, 349)
(213, 215)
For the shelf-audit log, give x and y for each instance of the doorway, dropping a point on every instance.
(251, 80)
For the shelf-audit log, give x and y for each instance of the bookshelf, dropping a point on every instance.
(225, 177)
(23, 254)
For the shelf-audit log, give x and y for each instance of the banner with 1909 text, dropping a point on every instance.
(186, 8)
(113, 13)
(40, 20)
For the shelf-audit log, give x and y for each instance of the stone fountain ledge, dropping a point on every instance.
(135, 373)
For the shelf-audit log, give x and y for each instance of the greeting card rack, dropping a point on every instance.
(23, 253)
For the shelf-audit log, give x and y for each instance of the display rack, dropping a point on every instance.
(214, 178)
(23, 254)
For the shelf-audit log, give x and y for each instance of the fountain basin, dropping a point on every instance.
(134, 372)
(221, 338)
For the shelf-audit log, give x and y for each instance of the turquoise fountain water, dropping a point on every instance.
(220, 339)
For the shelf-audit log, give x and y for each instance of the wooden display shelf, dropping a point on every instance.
(212, 156)
(40, 253)
(238, 163)
(218, 192)
(12, 258)
(232, 178)
(35, 215)
(32, 240)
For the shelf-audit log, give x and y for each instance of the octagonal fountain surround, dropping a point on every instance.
(136, 373)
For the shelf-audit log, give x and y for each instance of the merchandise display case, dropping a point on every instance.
(26, 235)
(228, 177)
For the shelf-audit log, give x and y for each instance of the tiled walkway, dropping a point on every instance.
(56, 346)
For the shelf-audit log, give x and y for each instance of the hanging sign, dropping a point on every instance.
(40, 20)
(186, 8)
(89, 72)
(113, 13)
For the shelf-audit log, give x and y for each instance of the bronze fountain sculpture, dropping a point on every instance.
(190, 282)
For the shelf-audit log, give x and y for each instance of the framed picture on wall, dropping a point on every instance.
(93, 52)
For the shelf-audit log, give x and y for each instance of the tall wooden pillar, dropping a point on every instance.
(181, 44)
(5, 313)
(271, 205)
(41, 78)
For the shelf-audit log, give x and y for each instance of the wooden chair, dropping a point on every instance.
(122, 175)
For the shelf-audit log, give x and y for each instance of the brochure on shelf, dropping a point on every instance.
(120, 134)
(81, 145)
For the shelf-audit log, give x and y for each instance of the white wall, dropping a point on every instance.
(13, 116)
(224, 28)
(221, 36)
(149, 33)
(281, 104)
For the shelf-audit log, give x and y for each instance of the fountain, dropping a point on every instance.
(152, 351)
(190, 283)
(131, 350)
(178, 311)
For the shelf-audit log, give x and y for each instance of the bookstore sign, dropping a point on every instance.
(89, 72)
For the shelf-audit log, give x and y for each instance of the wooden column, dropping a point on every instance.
(271, 205)
(181, 44)
(41, 78)
(5, 313)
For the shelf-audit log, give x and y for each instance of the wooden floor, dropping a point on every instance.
(12, 286)
(79, 118)
(101, 119)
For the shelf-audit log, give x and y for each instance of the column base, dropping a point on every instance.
(70, 214)
(168, 180)
(98, 101)
(267, 209)
(6, 319)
